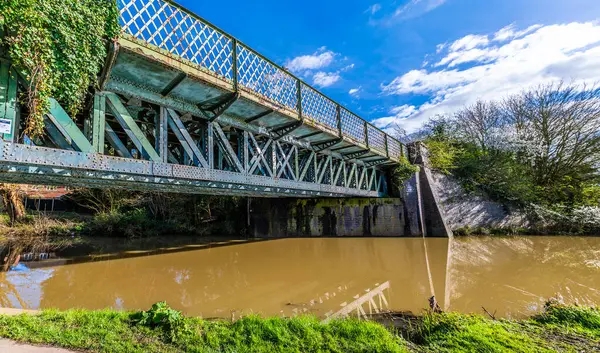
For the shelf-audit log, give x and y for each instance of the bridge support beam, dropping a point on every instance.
(8, 103)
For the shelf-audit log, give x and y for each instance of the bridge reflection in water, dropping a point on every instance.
(287, 277)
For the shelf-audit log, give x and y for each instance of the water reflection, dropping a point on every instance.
(515, 276)
(291, 276)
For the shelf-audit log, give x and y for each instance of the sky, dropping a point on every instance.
(401, 62)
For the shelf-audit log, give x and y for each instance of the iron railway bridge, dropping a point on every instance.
(185, 107)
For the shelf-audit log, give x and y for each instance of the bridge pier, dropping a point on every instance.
(328, 217)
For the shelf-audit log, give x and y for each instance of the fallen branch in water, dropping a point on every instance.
(492, 316)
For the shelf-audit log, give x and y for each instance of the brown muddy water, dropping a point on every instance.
(512, 276)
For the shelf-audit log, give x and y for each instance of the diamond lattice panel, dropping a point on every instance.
(376, 138)
(170, 28)
(317, 107)
(265, 78)
(352, 126)
(394, 148)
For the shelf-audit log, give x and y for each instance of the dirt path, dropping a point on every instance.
(13, 347)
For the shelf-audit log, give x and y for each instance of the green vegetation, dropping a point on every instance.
(59, 48)
(538, 151)
(162, 329)
(122, 213)
(404, 171)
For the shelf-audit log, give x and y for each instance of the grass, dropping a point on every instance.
(558, 329)
(109, 331)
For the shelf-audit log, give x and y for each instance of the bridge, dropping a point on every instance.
(186, 107)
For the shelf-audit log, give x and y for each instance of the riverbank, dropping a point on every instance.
(558, 329)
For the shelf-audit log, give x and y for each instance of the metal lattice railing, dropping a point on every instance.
(170, 27)
(265, 78)
(352, 125)
(317, 107)
(376, 138)
(394, 149)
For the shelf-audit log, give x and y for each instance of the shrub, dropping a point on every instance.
(442, 154)
(161, 316)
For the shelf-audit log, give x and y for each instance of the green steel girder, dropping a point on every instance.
(355, 155)
(8, 102)
(67, 127)
(116, 143)
(188, 144)
(285, 130)
(131, 129)
(213, 110)
(320, 146)
(376, 162)
(98, 123)
(174, 83)
(230, 154)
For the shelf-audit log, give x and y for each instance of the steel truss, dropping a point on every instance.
(131, 143)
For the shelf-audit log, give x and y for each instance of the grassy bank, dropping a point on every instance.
(559, 328)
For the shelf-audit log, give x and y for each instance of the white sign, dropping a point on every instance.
(5, 126)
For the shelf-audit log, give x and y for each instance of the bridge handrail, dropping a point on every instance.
(196, 39)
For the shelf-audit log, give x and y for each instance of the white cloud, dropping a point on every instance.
(320, 59)
(354, 92)
(321, 66)
(347, 68)
(416, 8)
(469, 42)
(325, 79)
(509, 32)
(512, 61)
(373, 9)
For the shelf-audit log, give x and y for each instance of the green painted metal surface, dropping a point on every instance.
(8, 102)
(68, 128)
(131, 129)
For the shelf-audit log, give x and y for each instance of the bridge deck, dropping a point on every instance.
(168, 49)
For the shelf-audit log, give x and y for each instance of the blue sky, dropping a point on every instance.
(401, 62)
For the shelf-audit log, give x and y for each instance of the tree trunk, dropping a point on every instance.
(13, 202)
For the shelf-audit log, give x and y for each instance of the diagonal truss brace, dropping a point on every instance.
(285, 130)
(185, 139)
(66, 127)
(229, 153)
(286, 160)
(131, 129)
(259, 156)
(212, 111)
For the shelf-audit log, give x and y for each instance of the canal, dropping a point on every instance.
(511, 276)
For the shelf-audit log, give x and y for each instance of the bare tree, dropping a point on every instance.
(478, 123)
(562, 122)
(12, 200)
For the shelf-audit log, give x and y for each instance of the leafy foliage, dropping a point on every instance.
(161, 316)
(404, 171)
(58, 46)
